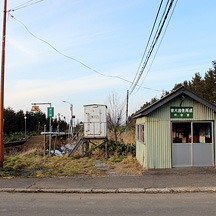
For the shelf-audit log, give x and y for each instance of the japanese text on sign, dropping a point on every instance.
(181, 112)
(50, 112)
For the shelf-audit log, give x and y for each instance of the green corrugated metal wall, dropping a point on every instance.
(156, 152)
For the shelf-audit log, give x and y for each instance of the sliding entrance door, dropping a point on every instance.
(202, 144)
(192, 144)
(181, 144)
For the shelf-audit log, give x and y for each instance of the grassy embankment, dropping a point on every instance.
(32, 163)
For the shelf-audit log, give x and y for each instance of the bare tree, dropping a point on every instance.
(114, 114)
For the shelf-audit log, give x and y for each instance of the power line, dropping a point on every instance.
(157, 35)
(158, 47)
(71, 58)
(147, 43)
(155, 39)
(24, 5)
(160, 42)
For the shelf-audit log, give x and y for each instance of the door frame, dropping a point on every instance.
(192, 143)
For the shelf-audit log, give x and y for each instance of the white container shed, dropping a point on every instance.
(95, 121)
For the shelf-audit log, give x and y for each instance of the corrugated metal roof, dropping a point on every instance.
(180, 91)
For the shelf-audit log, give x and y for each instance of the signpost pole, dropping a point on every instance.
(44, 141)
(50, 114)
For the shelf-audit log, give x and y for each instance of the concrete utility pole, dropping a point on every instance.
(71, 109)
(127, 110)
(2, 85)
(71, 120)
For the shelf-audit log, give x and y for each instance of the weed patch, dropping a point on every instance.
(127, 165)
(33, 164)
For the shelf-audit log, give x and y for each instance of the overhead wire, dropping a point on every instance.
(157, 35)
(155, 39)
(160, 41)
(24, 5)
(74, 59)
(157, 48)
(147, 43)
(28, 3)
(150, 38)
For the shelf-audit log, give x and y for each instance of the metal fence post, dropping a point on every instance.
(44, 141)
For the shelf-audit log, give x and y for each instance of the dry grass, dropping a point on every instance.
(127, 138)
(126, 166)
(130, 165)
(27, 152)
(33, 164)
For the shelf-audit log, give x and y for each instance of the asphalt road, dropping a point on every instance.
(196, 204)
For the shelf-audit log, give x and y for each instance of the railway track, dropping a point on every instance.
(34, 140)
(15, 143)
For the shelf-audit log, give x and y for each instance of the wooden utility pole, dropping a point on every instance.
(2, 85)
(127, 110)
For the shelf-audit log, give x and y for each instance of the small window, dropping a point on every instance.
(140, 132)
(137, 132)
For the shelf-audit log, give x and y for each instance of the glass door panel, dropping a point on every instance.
(181, 144)
(202, 144)
(202, 132)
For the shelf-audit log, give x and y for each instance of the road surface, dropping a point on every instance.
(196, 204)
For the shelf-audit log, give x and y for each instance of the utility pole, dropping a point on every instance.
(71, 123)
(71, 120)
(2, 85)
(127, 110)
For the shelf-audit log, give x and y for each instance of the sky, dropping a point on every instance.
(110, 37)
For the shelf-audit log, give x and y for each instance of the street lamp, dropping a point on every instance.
(38, 128)
(71, 121)
(25, 117)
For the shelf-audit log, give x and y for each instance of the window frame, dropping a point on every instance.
(192, 130)
(140, 132)
(211, 131)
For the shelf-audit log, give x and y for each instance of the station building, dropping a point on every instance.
(176, 131)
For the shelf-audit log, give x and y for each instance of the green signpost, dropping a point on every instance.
(50, 111)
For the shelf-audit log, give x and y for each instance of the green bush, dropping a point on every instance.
(119, 148)
(17, 136)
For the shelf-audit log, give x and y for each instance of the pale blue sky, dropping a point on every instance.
(110, 37)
